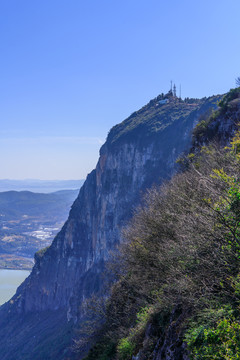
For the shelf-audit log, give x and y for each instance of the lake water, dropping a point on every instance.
(9, 281)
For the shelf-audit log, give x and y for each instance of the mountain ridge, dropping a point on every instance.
(39, 186)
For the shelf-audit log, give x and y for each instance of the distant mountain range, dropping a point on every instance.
(28, 222)
(41, 186)
(15, 205)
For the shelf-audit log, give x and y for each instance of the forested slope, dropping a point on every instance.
(178, 290)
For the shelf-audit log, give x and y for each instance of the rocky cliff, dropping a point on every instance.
(37, 322)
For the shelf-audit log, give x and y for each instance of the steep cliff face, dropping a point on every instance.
(139, 152)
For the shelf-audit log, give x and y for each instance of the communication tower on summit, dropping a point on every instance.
(174, 91)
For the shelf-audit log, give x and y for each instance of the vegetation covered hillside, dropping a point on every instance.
(178, 289)
(155, 118)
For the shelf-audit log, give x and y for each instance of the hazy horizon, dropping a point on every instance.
(32, 179)
(40, 186)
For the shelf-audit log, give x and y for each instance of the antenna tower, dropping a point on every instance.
(174, 91)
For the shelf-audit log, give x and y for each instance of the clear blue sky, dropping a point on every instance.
(71, 69)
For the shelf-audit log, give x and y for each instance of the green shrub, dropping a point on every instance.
(103, 350)
(39, 254)
(200, 129)
(219, 342)
(231, 95)
(125, 349)
(143, 315)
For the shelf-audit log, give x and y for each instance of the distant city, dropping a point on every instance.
(32, 212)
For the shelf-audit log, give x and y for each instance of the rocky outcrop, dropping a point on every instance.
(139, 152)
(171, 345)
(221, 126)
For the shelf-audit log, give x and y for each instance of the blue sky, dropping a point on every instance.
(70, 70)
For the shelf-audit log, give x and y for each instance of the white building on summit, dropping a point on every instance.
(164, 101)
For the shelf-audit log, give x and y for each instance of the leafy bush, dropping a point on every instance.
(125, 349)
(231, 95)
(143, 315)
(39, 254)
(103, 350)
(219, 342)
(204, 128)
